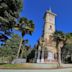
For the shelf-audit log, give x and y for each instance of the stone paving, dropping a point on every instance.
(36, 70)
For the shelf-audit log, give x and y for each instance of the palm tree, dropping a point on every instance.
(25, 26)
(59, 38)
(68, 37)
(24, 48)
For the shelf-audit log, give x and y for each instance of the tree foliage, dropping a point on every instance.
(59, 38)
(10, 48)
(66, 51)
(9, 11)
(25, 26)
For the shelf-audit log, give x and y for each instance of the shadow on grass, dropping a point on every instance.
(3, 63)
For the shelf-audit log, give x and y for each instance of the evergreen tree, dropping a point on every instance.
(10, 48)
(9, 12)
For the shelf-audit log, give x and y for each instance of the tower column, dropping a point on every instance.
(50, 56)
(38, 57)
(49, 20)
(35, 56)
(42, 57)
(49, 29)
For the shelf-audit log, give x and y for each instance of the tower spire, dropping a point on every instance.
(50, 10)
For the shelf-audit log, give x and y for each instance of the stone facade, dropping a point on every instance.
(46, 51)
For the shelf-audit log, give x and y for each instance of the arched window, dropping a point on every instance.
(50, 27)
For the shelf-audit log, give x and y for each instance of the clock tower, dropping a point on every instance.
(49, 21)
(46, 50)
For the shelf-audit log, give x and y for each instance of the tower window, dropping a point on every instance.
(50, 27)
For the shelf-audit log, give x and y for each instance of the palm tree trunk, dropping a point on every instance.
(21, 53)
(71, 56)
(59, 56)
(19, 48)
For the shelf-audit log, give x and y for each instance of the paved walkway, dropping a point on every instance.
(46, 70)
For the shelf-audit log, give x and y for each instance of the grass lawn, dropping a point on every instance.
(31, 66)
(13, 66)
(27, 66)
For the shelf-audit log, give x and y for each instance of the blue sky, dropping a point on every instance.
(35, 9)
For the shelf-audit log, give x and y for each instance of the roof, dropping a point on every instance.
(50, 12)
